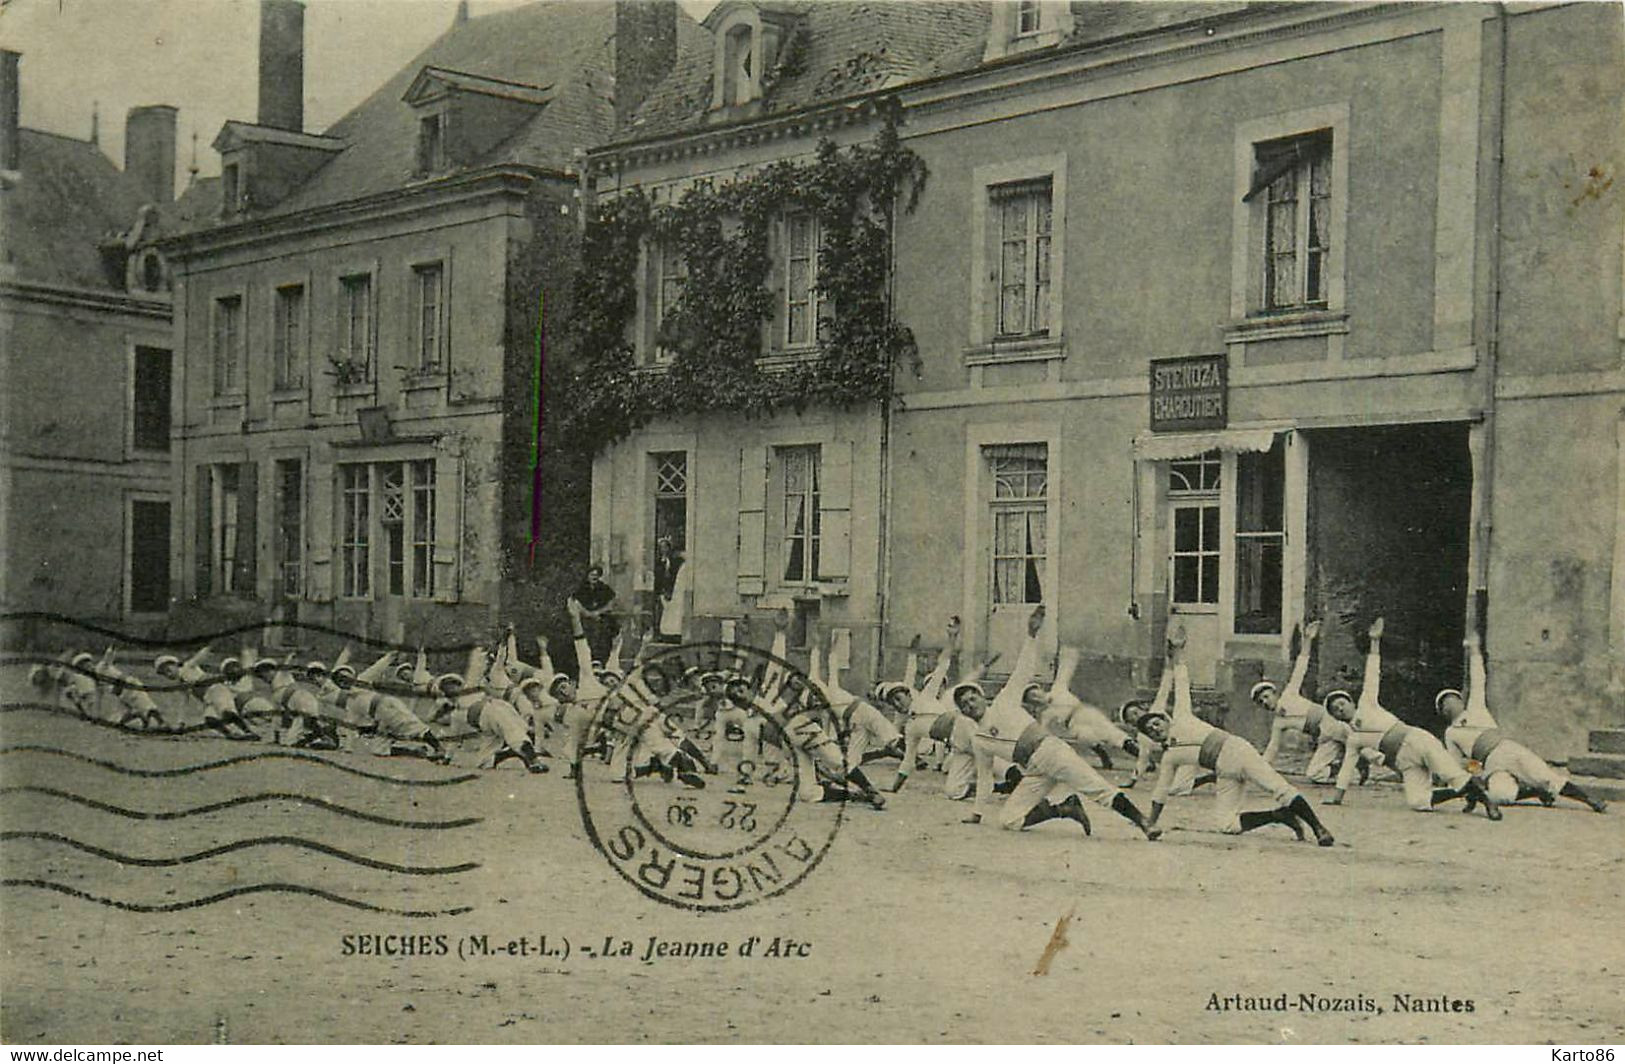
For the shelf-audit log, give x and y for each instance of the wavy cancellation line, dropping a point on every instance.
(248, 799)
(131, 639)
(209, 766)
(293, 841)
(67, 713)
(227, 895)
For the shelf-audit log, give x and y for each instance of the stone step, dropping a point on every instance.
(1611, 766)
(1607, 741)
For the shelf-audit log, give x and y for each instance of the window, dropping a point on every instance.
(1020, 521)
(671, 497)
(1193, 492)
(670, 275)
(355, 533)
(400, 496)
(230, 188)
(290, 527)
(287, 343)
(1292, 179)
(355, 326)
(1260, 540)
(1029, 17)
(802, 523)
(801, 298)
(1194, 474)
(423, 520)
(431, 143)
(392, 515)
(228, 339)
(739, 64)
(151, 271)
(1023, 219)
(429, 296)
(226, 513)
(147, 576)
(150, 414)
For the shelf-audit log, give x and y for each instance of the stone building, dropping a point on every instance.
(357, 311)
(1244, 313)
(85, 369)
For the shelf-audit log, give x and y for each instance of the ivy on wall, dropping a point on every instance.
(717, 326)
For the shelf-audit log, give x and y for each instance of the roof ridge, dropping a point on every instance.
(85, 141)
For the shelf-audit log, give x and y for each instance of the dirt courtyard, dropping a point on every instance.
(914, 928)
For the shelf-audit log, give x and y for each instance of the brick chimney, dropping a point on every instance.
(149, 150)
(282, 64)
(645, 49)
(10, 138)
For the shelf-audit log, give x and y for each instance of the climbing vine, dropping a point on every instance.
(716, 328)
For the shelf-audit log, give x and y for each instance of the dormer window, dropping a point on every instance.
(432, 143)
(461, 117)
(1029, 18)
(231, 190)
(749, 40)
(1026, 25)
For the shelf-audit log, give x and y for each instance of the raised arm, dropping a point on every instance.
(1182, 691)
(421, 677)
(1065, 666)
(939, 675)
(1026, 666)
(911, 669)
(544, 662)
(587, 683)
(1371, 684)
(1477, 696)
(474, 667)
(981, 670)
(1182, 673)
(1300, 666)
(478, 664)
(815, 669)
(1165, 688)
(196, 660)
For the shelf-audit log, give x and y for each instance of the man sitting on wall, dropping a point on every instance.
(597, 601)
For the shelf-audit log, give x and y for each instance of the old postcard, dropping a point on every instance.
(784, 521)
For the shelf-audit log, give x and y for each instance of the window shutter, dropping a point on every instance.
(448, 524)
(372, 326)
(835, 510)
(320, 536)
(204, 545)
(248, 541)
(752, 520)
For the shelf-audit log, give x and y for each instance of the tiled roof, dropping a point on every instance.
(838, 50)
(844, 49)
(565, 44)
(69, 199)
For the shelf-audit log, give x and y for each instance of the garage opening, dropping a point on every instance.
(1389, 515)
